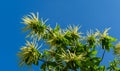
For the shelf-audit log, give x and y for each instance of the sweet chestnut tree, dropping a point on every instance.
(57, 49)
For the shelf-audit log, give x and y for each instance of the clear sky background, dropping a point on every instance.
(90, 14)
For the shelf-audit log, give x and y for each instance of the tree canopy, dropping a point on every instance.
(66, 49)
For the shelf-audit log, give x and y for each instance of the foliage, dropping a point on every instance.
(67, 49)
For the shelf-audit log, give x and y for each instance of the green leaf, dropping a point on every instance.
(94, 52)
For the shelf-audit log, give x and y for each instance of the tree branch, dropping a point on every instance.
(103, 54)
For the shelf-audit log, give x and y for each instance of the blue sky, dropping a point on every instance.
(90, 14)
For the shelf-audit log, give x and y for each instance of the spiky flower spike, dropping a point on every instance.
(34, 25)
(117, 49)
(29, 54)
(72, 33)
(31, 19)
(106, 40)
(91, 39)
(68, 56)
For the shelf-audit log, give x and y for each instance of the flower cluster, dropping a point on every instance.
(29, 54)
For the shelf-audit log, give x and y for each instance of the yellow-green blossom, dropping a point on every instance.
(31, 19)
